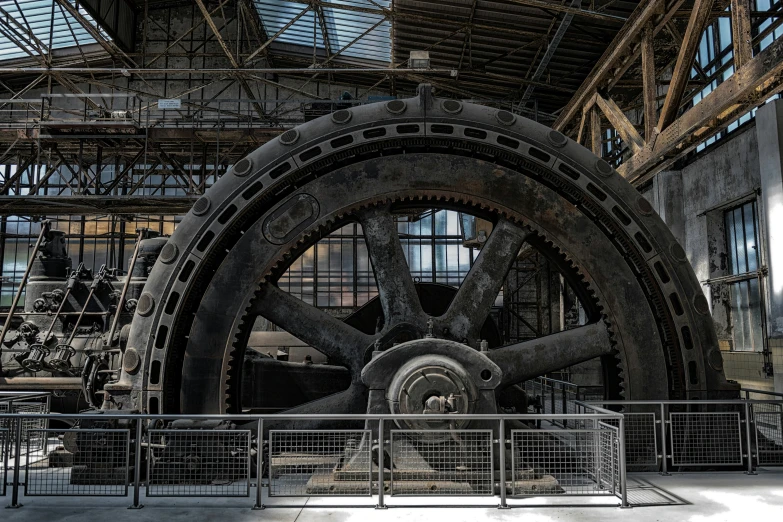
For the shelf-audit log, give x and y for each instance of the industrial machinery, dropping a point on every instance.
(647, 318)
(417, 347)
(67, 336)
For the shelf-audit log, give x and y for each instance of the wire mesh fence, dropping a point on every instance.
(706, 438)
(641, 439)
(441, 462)
(565, 461)
(31, 423)
(320, 463)
(77, 462)
(608, 476)
(198, 463)
(768, 423)
(584, 454)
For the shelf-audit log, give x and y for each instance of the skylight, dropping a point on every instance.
(46, 20)
(342, 27)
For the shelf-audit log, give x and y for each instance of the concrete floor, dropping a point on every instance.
(706, 497)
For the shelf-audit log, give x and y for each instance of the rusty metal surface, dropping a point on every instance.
(643, 303)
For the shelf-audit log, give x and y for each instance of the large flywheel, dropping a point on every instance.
(646, 316)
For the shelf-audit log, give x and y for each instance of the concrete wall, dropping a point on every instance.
(691, 201)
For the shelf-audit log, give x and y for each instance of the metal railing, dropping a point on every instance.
(552, 396)
(26, 403)
(702, 434)
(114, 454)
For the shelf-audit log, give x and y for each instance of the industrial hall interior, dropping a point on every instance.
(391, 260)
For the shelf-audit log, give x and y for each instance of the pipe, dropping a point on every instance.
(36, 383)
(7, 324)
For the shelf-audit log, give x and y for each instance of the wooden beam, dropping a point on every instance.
(649, 89)
(740, 32)
(747, 88)
(596, 139)
(682, 69)
(618, 120)
(643, 13)
(660, 23)
(581, 130)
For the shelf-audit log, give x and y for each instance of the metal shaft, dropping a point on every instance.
(18, 295)
(137, 467)
(71, 284)
(121, 302)
(95, 282)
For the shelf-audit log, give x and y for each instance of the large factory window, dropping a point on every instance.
(336, 272)
(745, 309)
(94, 241)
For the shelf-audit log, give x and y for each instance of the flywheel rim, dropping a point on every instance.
(512, 145)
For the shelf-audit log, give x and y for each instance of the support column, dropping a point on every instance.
(769, 131)
(668, 189)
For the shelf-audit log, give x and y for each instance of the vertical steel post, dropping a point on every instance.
(502, 463)
(17, 460)
(623, 485)
(749, 440)
(46, 422)
(260, 465)
(137, 468)
(381, 502)
(664, 465)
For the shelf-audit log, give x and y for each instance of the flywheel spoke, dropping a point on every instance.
(475, 297)
(530, 359)
(396, 290)
(343, 344)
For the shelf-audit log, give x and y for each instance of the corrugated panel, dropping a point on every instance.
(342, 28)
(50, 24)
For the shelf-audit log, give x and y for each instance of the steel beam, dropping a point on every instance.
(91, 205)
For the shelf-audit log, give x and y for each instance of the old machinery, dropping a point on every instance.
(646, 316)
(418, 347)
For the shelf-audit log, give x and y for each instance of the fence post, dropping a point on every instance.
(137, 468)
(260, 465)
(381, 502)
(48, 409)
(17, 460)
(749, 440)
(623, 486)
(664, 465)
(502, 464)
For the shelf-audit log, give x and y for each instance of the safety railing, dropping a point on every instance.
(696, 435)
(378, 458)
(23, 403)
(552, 396)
